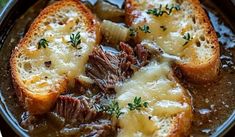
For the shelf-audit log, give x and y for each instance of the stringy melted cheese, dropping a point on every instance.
(165, 97)
(177, 25)
(67, 62)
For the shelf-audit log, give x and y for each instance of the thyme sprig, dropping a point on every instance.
(145, 29)
(133, 31)
(75, 40)
(114, 109)
(137, 104)
(160, 11)
(43, 43)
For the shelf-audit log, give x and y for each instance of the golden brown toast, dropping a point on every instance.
(46, 61)
(180, 28)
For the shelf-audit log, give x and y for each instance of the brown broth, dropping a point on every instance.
(213, 102)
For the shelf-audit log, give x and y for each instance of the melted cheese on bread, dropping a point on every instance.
(67, 62)
(168, 31)
(166, 99)
(42, 72)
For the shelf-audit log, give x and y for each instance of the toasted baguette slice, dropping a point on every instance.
(169, 110)
(185, 33)
(41, 74)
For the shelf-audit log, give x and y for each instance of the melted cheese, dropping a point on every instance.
(67, 62)
(177, 24)
(165, 97)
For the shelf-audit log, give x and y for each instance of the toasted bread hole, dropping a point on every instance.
(202, 38)
(65, 19)
(179, 1)
(60, 23)
(60, 16)
(46, 23)
(54, 20)
(20, 65)
(27, 66)
(194, 19)
(67, 11)
(77, 21)
(198, 43)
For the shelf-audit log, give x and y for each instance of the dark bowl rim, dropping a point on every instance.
(12, 122)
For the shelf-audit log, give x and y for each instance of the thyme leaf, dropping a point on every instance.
(160, 11)
(43, 43)
(75, 40)
(114, 109)
(137, 104)
(187, 37)
(132, 32)
(145, 29)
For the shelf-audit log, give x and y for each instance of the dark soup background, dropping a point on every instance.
(213, 102)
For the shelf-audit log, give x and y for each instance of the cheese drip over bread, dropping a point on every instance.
(165, 97)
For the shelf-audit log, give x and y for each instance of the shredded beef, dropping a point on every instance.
(142, 54)
(76, 110)
(107, 68)
(81, 113)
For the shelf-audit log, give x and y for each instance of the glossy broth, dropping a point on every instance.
(213, 102)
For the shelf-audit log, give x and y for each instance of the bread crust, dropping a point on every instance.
(206, 71)
(209, 70)
(181, 122)
(37, 103)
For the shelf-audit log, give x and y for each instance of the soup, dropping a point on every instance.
(213, 103)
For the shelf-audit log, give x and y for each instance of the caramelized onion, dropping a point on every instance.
(105, 10)
(113, 32)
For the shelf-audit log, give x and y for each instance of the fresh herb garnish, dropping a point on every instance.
(187, 37)
(114, 109)
(132, 31)
(160, 11)
(171, 8)
(145, 29)
(42, 43)
(75, 40)
(137, 104)
(163, 28)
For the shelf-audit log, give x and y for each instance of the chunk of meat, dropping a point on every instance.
(142, 54)
(75, 110)
(83, 118)
(107, 68)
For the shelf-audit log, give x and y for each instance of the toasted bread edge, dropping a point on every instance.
(38, 103)
(196, 73)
